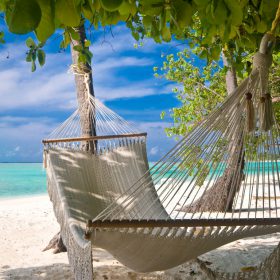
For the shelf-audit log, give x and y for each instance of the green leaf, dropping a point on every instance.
(33, 66)
(215, 52)
(87, 43)
(201, 3)
(23, 16)
(78, 48)
(88, 53)
(30, 43)
(220, 13)
(262, 27)
(166, 34)
(68, 12)
(111, 5)
(183, 13)
(127, 8)
(41, 57)
(33, 55)
(74, 34)
(28, 57)
(88, 10)
(46, 26)
(82, 58)
(236, 11)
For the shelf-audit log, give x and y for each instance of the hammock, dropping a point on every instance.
(220, 183)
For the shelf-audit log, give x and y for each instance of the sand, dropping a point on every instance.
(28, 223)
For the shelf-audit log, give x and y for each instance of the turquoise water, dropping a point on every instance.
(21, 179)
(250, 168)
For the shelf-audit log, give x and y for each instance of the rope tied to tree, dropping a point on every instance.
(262, 62)
(82, 70)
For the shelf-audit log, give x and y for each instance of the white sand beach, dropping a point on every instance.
(28, 223)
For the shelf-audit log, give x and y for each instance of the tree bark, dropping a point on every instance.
(56, 243)
(220, 196)
(84, 87)
(231, 78)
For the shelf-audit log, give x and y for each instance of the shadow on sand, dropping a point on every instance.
(58, 271)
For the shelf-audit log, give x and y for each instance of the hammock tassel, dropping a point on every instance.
(45, 165)
(261, 63)
(250, 113)
(266, 112)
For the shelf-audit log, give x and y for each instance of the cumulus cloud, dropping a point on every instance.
(20, 138)
(119, 71)
(53, 86)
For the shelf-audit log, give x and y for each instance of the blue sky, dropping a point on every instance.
(33, 104)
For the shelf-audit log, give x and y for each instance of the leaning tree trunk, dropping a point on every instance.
(220, 196)
(84, 88)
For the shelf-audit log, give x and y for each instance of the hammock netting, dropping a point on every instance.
(100, 120)
(220, 183)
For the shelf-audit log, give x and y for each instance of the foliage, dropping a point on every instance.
(276, 107)
(211, 24)
(200, 89)
(34, 53)
(275, 85)
(198, 96)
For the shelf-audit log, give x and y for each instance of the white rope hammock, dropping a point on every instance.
(220, 183)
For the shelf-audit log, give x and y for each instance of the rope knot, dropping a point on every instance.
(262, 61)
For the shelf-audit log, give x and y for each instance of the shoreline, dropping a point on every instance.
(21, 197)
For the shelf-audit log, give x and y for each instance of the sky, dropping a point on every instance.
(34, 104)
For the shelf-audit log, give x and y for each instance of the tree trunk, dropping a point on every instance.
(56, 243)
(231, 78)
(220, 196)
(84, 87)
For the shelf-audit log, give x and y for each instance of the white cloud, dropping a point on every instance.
(157, 141)
(154, 150)
(20, 137)
(53, 88)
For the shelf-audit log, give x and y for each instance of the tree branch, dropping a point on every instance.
(207, 88)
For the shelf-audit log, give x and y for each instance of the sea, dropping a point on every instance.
(26, 179)
(22, 179)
